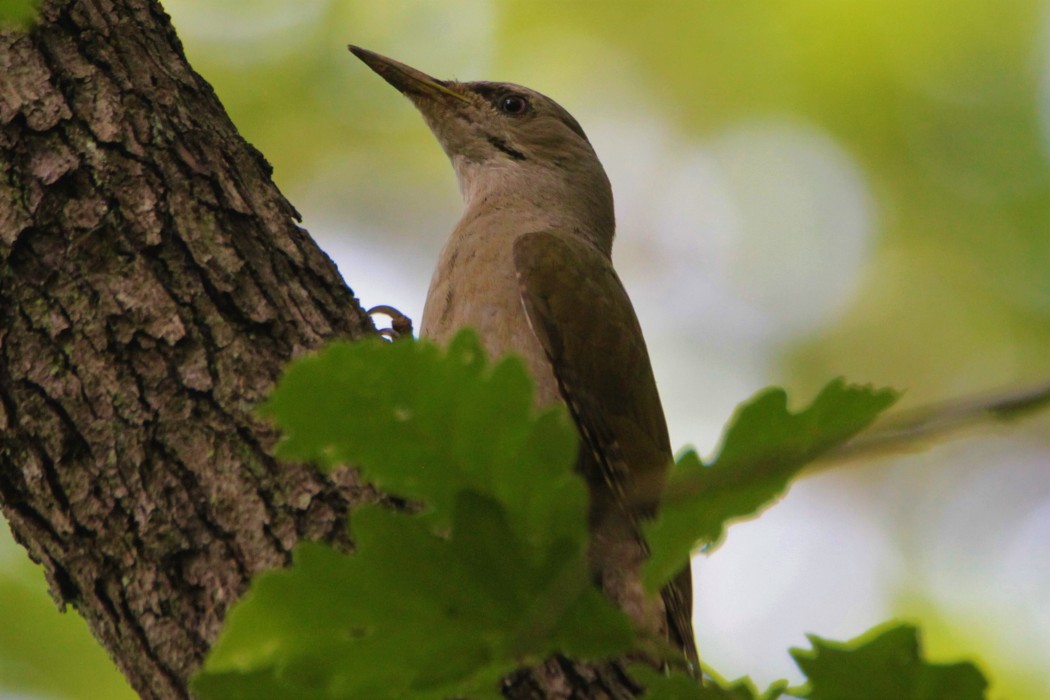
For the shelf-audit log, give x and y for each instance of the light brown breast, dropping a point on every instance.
(475, 284)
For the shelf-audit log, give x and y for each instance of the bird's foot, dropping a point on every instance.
(400, 325)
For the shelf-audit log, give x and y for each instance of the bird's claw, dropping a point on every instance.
(400, 325)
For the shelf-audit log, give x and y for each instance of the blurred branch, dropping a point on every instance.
(915, 429)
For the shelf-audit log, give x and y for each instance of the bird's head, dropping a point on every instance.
(503, 137)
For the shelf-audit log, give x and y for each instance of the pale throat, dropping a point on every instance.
(537, 198)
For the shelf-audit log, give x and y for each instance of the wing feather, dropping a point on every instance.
(582, 317)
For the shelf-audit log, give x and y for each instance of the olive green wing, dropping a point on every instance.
(581, 315)
(580, 312)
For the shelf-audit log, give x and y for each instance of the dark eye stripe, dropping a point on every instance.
(493, 91)
(496, 94)
(501, 145)
(487, 90)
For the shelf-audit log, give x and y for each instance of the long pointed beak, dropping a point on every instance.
(406, 79)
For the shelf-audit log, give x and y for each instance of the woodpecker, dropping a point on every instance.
(529, 267)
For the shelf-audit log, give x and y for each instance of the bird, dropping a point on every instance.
(529, 267)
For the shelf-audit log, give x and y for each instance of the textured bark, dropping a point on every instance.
(565, 679)
(153, 283)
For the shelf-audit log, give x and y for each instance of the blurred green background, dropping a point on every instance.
(805, 189)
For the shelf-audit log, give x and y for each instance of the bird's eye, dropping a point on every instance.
(514, 105)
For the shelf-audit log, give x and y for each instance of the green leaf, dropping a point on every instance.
(679, 686)
(490, 575)
(765, 447)
(425, 423)
(18, 13)
(885, 662)
(411, 614)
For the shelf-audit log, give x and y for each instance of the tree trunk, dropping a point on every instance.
(153, 283)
